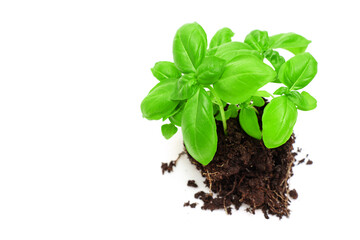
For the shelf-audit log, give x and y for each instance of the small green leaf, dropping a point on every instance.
(168, 130)
(158, 103)
(242, 78)
(278, 121)
(177, 116)
(165, 70)
(281, 91)
(249, 122)
(258, 40)
(289, 41)
(210, 70)
(303, 101)
(199, 128)
(189, 47)
(298, 71)
(222, 36)
(275, 59)
(231, 112)
(257, 101)
(186, 87)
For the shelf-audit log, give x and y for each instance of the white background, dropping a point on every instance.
(78, 161)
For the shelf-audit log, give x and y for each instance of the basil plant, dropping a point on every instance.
(222, 80)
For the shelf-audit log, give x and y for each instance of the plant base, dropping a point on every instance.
(245, 171)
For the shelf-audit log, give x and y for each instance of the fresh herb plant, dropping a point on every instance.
(223, 81)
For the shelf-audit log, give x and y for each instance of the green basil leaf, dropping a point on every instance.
(303, 101)
(230, 50)
(164, 70)
(278, 121)
(290, 41)
(275, 59)
(233, 111)
(241, 79)
(222, 36)
(158, 103)
(262, 93)
(189, 47)
(281, 91)
(198, 127)
(210, 70)
(168, 130)
(186, 87)
(298, 71)
(249, 122)
(257, 101)
(258, 40)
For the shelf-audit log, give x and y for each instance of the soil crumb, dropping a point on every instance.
(301, 161)
(188, 204)
(309, 162)
(293, 194)
(192, 183)
(168, 167)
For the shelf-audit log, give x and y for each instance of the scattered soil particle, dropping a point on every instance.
(193, 205)
(245, 171)
(168, 167)
(301, 161)
(293, 194)
(309, 162)
(192, 183)
(188, 204)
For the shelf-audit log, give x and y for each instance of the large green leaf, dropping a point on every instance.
(158, 103)
(298, 71)
(164, 70)
(278, 121)
(222, 36)
(242, 77)
(230, 50)
(189, 47)
(289, 41)
(198, 127)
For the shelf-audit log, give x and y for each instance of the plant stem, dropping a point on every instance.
(221, 108)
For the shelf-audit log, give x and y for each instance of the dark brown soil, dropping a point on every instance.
(245, 171)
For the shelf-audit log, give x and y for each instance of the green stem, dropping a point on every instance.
(221, 108)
